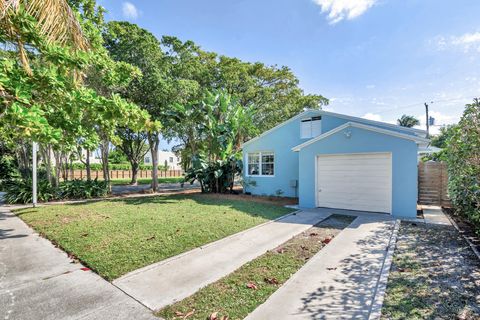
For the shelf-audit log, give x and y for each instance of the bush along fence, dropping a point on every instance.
(463, 162)
(124, 174)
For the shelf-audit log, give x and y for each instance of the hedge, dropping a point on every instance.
(463, 163)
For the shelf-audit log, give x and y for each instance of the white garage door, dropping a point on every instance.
(355, 182)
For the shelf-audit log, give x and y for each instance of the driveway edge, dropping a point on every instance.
(377, 302)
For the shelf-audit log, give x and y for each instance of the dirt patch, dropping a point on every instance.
(434, 275)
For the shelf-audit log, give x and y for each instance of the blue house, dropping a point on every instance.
(337, 161)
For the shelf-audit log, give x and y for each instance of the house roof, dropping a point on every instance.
(418, 132)
(364, 127)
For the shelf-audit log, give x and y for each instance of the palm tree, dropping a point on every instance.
(408, 121)
(56, 22)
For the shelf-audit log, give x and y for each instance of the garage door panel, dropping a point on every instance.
(355, 182)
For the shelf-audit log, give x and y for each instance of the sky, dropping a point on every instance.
(376, 59)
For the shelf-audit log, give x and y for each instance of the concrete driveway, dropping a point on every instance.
(39, 281)
(340, 282)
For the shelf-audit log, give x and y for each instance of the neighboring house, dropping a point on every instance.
(94, 157)
(337, 161)
(171, 159)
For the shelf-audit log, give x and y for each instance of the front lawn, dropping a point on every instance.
(114, 237)
(434, 275)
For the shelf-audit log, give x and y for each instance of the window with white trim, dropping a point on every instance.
(261, 164)
(310, 127)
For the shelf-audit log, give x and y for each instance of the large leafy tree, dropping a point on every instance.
(43, 95)
(129, 43)
(408, 121)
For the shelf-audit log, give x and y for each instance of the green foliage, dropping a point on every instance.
(408, 121)
(440, 140)
(214, 176)
(83, 189)
(216, 127)
(117, 156)
(20, 191)
(463, 160)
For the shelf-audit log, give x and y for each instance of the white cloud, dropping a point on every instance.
(129, 10)
(372, 116)
(338, 10)
(465, 42)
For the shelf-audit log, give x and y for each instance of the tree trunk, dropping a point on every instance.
(87, 166)
(45, 152)
(104, 148)
(154, 143)
(56, 181)
(135, 167)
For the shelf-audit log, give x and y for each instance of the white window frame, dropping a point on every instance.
(260, 163)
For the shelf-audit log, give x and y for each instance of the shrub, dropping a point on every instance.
(20, 191)
(463, 162)
(214, 176)
(82, 189)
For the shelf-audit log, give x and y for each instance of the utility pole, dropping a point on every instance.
(427, 120)
(34, 173)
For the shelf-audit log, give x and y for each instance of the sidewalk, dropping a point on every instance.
(39, 281)
(340, 281)
(171, 280)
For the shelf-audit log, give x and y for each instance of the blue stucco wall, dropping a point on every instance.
(404, 165)
(280, 141)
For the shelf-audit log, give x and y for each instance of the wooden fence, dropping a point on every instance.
(433, 183)
(125, 174)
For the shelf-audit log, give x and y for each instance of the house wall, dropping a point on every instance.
(280, 141)
(404, 164)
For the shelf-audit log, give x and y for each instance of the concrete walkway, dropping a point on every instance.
(39, 281)
(340, 281)
(435, 215)
(174, 279)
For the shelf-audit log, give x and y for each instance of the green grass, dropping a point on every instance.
(114, 237)
(231, 297)
(146, 180)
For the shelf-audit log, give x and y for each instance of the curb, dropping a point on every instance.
(379, 296)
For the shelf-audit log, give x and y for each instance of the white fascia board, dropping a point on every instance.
(418, 140)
